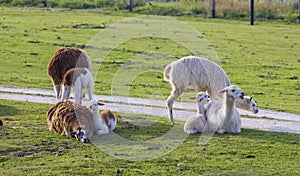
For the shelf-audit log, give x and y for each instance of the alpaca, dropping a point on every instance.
(197, 123)
(80, 79)
(99, 124)
(109, 119)
(71, 119)
(200, 73)
(247, 104)
(222, 116)
(63, 60)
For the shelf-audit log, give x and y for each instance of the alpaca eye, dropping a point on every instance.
(233, 90)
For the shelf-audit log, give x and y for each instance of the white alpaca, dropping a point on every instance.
(99, 125)
(80, 79)
(200, 73)
(247, 104)
(222, 116)
(63, 60)
(197, 123)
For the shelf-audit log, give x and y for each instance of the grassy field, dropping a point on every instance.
(27, 147)
(263, 60)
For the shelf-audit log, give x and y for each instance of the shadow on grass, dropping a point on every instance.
(271, 137)
(6, 110)
(251, 135)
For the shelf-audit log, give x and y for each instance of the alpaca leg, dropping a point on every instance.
(65, 92)
(57, 91)
(193, 131)
(90, 92)
(82, 94)
(103, 130)
(170, 101)
(77, 92)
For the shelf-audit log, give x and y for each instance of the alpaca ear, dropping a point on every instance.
(220, 92)
(251, 96)
(73, 134)
(101, 104)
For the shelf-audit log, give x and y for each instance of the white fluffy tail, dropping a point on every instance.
(84, 55)
(167, 72)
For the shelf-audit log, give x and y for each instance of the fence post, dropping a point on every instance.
(299, 11)
(252, 12)
(213, 8)
(130, 5)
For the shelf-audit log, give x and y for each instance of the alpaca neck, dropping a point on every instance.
(200, 108)
(95, 114)
(228, 106)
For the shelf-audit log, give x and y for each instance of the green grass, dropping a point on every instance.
(233, 9)
(263, 60)
(27, 147)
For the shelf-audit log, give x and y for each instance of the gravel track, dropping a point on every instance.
(265, 120)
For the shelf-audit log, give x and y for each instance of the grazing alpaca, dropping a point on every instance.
(197, 123)
(80, 79)
(222, 116)
(71, 119)
(200, 73)
(63, 60)
(109, 119)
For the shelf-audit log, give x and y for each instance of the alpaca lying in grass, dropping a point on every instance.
(247, 104)
(222, 116)
(197, 123)
(71, 119)
(109, 118)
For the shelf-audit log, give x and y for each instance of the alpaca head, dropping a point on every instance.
(202, 97)
(233, 91)
(80, 135)
(94, 104)
(247, 104)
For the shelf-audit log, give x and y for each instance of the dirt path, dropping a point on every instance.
(265, 120)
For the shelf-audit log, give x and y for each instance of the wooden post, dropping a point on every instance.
(130, 5)
(251, 12)
(299, 11)
(213, 8)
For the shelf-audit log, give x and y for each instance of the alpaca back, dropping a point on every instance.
(109, 118)
(66, 117)
(80, 79)
(200, 73)
(78, 74)
(65, 59)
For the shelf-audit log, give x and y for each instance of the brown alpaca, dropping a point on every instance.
(72, 119)
(109, 119)
(63, 60)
